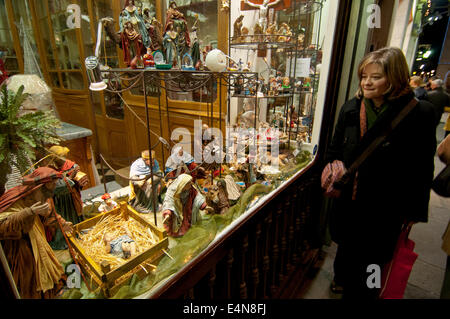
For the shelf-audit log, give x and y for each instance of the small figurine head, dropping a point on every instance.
(59, 150)
(107, 198)
(172, 5)
(107, 238)
(129, 3)
(145, 155)
(126, 249)
(129, 25)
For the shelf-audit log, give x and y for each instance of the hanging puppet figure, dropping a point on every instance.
(263, 11)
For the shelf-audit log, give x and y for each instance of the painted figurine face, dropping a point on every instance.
(374, 82)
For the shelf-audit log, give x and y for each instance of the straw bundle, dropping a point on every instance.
(116, 224)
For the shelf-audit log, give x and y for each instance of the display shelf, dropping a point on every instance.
(303, 8)
(265, 96)
(250, 42)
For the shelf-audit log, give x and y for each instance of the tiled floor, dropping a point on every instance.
(427, 275)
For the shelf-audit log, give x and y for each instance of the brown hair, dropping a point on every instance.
(417, 80)
(393, 62)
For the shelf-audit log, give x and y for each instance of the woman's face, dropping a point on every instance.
(373, 81)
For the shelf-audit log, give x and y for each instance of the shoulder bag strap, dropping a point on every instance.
(375, 143)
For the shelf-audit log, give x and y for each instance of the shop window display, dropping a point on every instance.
(259, 130)
(8, 57)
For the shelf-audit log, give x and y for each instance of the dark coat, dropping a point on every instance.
(440, 100)
(421, 93)
(393, 183)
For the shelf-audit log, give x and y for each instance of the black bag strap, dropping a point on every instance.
(375, 143)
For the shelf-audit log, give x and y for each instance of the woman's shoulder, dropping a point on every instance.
(350, 107)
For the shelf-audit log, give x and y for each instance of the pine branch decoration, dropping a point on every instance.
(22, 136)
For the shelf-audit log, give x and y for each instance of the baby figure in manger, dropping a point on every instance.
(123, 246)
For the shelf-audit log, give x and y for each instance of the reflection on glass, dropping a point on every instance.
(72, 80)
(96, 102)
(202, 24)
(7, 52)
(66, 43)
(22, 15)
(54, 78)
(108, 49)
(114, 106)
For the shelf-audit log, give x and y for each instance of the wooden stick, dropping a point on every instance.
(167, 254)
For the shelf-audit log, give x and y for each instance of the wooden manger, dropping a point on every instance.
(109, 275)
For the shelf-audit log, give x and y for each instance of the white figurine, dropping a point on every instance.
(263, 10)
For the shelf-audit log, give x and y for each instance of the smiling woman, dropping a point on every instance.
(371, 208)
(374, 83)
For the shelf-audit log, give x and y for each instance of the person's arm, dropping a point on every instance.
(53, 219)
(334, 151)
(252, 4)
(15, 225)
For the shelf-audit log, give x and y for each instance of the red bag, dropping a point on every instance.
(396, 274)
(332, 173)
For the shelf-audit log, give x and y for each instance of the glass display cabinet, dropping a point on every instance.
(264, 105)
(255, 125)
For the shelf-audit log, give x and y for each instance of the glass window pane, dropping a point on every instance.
(114, 105)
(66, 42)
(54, 78)
(22, 14)
(45, 35)
(72, 80)
(96, 102)
(203, 16)
(7, 52)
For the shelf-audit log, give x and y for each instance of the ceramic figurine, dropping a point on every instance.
(67, 193)
(169, 44)
(217, 198)
(286, 83)
(143, 195)
(258, 33)
(123, 246)
(131, 13)
(154, 30)
(237, 28)
(26, 212)
(285, 32)
(270, 32)
(181, 206)
(195, 49)
(108, 204)
(263, 10)
(148, 60)
(176, 22)
(182, 162)
(132, 46)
